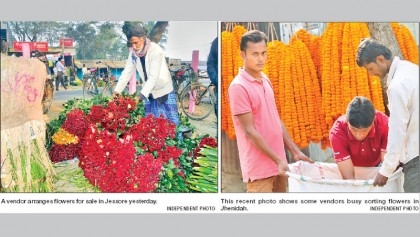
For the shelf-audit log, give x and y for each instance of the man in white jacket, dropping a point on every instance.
(148, 59)
(403, 95)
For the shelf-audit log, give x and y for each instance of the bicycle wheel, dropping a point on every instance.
(89, 87)
(196, 101)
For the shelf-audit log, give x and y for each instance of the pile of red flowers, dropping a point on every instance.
(114, 156)
(131, 162)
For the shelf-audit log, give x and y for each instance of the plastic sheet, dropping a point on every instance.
(326, 177)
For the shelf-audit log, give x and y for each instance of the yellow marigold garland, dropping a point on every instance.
(62, 137)
(314, 78)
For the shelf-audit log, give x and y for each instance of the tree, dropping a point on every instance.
(108, 42)
(33, 31)
(155, 31)
(159, 31)
(83, 34)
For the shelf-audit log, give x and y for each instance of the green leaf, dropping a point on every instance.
(170, 174)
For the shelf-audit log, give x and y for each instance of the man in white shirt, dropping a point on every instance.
(403, 97)
(60, 73)
(85, 71)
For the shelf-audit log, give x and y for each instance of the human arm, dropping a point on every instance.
(383, 155)
(346, 169)
(399, 97)
(246, 121)
(341, 150)
(292, 147)
(126, 75)
(212, 63)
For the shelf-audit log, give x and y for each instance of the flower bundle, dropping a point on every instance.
(205, 142)
(118, 154)
(68, 137)
(117, 165)
(231, 62)
(62, 137)
(312, 42)
(60, 153)
(406, 42)
(114, 116)
(227, 77)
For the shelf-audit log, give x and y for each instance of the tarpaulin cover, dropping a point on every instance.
(326, 177)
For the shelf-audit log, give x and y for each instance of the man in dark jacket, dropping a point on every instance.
(212, 68)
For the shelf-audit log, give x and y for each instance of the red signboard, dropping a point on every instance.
(40, 46)
(67, 42)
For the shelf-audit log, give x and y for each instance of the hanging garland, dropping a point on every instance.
(314, 77)
(406, 42)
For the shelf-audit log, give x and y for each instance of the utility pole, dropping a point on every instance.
(62, 46)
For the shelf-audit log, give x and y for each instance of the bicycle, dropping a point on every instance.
(195, 100)
(90, 84)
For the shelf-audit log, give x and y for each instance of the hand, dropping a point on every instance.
(283, 167)
(300, 156)
(380, 180)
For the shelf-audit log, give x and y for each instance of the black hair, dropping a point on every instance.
(253, 36)
(360, 112)
(131, 29)
(369, 49)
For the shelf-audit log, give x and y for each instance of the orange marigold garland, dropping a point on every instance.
(410, 45)
(227, 71)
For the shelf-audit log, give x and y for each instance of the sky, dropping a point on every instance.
(186, 36)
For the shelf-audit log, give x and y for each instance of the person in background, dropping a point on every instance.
(149, 60)
(360, 137)
(51, 67)
(212, 69)
(402, 78)
(60, 73)
(260, 133)
(85, 71)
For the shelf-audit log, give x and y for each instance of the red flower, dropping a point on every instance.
(207, 141)
(145, 174)
(106, 148)
(153, 132)
(170, 152)
(75, 123)
(59, 153)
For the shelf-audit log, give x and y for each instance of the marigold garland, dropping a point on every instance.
(62, 137)
(406, 41)
(314, 77)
